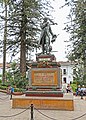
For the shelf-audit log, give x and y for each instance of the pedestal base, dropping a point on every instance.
(44, 103)
(44, 93)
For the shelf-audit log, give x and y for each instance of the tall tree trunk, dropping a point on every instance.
(23, 43)
(23, 57)
(4, 46)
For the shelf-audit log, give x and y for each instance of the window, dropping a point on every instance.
(64, 80)
(64, 71)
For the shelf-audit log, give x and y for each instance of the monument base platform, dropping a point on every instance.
(44, 103)
(44, 93)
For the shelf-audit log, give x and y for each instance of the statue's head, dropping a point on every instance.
(45, 19)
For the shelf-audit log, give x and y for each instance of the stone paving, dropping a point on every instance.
(7, 113)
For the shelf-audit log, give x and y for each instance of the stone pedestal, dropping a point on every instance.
(44, 87)
(45, 77)
(47, 103)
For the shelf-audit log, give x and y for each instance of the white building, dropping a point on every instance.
(67, 72)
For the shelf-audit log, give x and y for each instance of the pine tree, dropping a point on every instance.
(23, 27)
(77, 30)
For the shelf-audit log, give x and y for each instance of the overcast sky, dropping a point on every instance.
(60, 15)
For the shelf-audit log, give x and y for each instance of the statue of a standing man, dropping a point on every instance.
(45, 36)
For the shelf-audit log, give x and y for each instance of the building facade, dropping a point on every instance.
(67, 72)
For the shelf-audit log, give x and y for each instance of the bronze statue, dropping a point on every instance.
(45, 36)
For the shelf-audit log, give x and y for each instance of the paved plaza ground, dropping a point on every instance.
(8, 113)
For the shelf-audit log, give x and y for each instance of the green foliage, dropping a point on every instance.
(19, 90)
(21, 82)
(17, 80)
(14, 77)
(0, 81)
(24, 19)
(77, 29)
(74, 87)
(3, 87)
(74, 82)
(0, 75)
(21, 29)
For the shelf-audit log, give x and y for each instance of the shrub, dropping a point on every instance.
(19, 90)
(74, 87)
(0, 81)
(3, 87)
